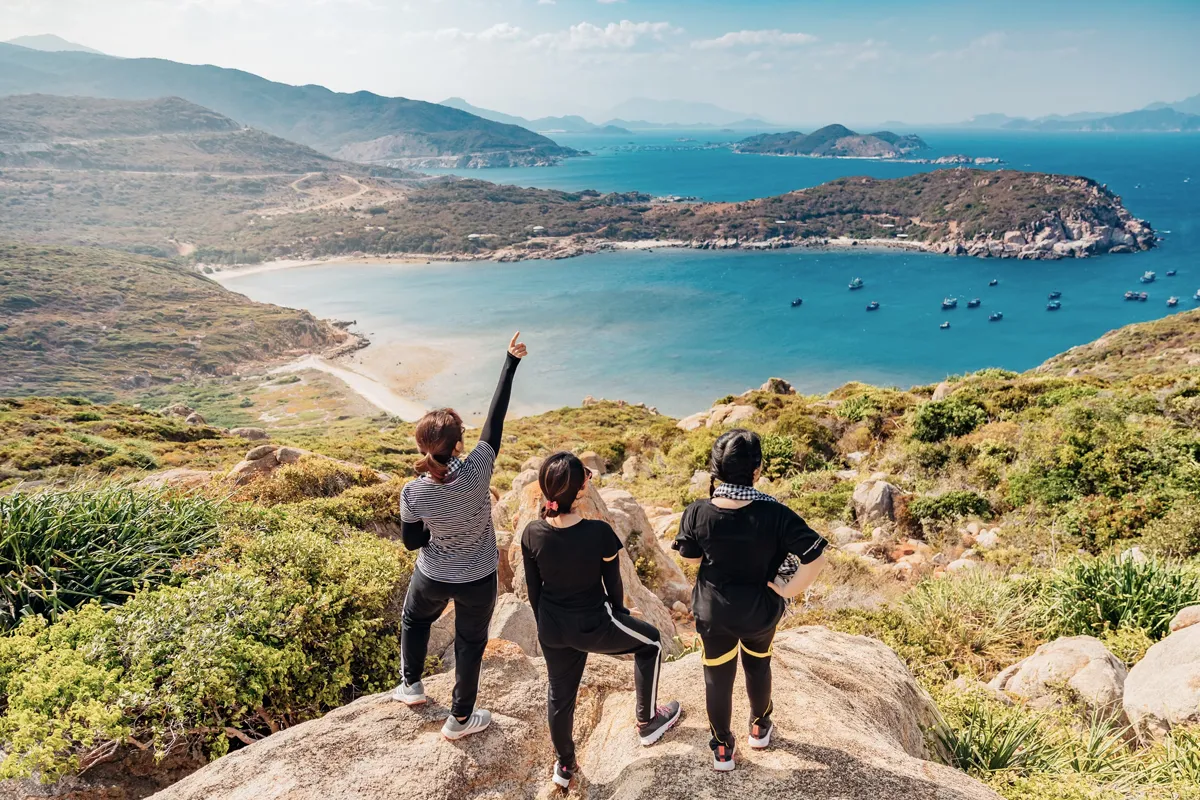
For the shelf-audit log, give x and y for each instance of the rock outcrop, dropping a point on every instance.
(873, 500)
(1163, 689)
(1186, 618)
(636, 532)
(1082, 664)
(728, 414)
(850, 722)
(637, 597)
(266, 458)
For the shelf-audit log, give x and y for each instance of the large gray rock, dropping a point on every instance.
(729, 414)
(873, 501)
(253, 434)
(1163, 689)
(1186, 618)
(1081, 663)
(856, 731)
(636, 466)
(777, 386)
(699, 484)
(266, 458)
(636, 532)
(514, 622)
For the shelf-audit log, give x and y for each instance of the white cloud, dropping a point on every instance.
(500, 32)
(609, 2)
(622, 35)
(546, 2)
(768, 38)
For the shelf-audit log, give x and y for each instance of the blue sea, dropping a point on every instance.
(678, 328)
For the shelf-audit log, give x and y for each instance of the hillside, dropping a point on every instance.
(1159, 120)
(1150, 348)
(95, 322)
(357, 127)
(832, 141)
(50, 43)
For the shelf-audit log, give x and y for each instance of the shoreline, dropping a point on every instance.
(366, 386)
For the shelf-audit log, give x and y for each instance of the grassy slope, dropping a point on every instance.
(1148, 348)
(91, 321)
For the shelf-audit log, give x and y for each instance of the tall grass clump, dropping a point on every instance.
(1093, 596)
(59, 550)
(972, 620)
(981, 737)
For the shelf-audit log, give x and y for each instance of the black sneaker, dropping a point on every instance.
(760, 734)
(665, 718)
(722, 757)
(563, 775)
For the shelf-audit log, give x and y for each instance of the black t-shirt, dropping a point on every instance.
(565, 567)
(742, 550)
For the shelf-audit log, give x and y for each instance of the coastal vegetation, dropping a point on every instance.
(118, 646)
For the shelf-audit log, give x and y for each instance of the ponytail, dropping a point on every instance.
(561, 477)
(437, 434)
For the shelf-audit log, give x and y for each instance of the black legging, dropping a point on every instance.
(720, 668)
(474, 603)
(568, 637)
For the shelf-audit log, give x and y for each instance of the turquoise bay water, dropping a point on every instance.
(679, 328)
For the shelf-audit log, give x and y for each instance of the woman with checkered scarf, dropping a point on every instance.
(741, 539)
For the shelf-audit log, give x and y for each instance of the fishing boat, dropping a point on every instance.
(797, 301)
(996, 316)
(873, 305)
(857, 283)
(949, 302)
(1143, 296)
(1172, 301)
(993, 282)
(1055, 296)
(1196, 297)
(1172, 273)
(974, 303)
(1148, 277)
(945, 326)
(1131, 296)
(1053, 305)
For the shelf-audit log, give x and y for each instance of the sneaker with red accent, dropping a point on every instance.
(665, 718)
(563, 775)
(722, 757)
(760, 734)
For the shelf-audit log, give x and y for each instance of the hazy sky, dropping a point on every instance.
(798, 61)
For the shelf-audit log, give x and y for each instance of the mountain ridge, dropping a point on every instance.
(832, 141)
(570, 123)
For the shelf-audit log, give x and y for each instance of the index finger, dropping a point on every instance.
(513, 341)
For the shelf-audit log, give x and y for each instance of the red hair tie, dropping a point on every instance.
(551, 505)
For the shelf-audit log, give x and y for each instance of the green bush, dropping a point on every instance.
(779, 456)
(308, 478)
(950, 505)
(938, 420)
(1093, 596)
(982, 736)
(60, 550)
(1177, 533)
(295, 619)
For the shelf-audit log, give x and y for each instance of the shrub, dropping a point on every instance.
(973, 621)
(938, 420)
(69, 548)
(299, 619)
(981, 737)
(779, 456)
(1092, 596)
(1177, 533)
(307, 478)
(949, 506)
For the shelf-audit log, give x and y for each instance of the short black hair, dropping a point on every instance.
(736, 454)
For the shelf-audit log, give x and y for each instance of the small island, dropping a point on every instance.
(832, 141)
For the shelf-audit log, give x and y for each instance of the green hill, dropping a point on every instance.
(347, 125)
(836, 141)
(95, 322)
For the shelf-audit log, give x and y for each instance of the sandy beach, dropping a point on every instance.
(366, 386)
(229, 274)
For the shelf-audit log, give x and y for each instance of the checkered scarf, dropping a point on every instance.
(791, 564)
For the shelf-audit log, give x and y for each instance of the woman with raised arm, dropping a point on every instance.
(446, 513)
(573, 574)
(740, 538)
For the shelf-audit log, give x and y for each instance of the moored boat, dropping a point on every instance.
(1053, 305)
(945, 326)
(797, 301)
(1055, 296)
(993, 282)
(1148, 277)
(974, 303)
(949, 302)
(1196, 297)
(1172, 273)
(996, 316)
(1172, 301)
(857, 283)
(1142, 296)
(1131, 296)
(873, 305)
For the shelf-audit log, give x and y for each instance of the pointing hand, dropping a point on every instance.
(516, 348)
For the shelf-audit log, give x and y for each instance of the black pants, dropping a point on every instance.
(720, 668)
(474, 603)
(567, 637)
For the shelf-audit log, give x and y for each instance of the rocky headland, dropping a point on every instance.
(832, 141)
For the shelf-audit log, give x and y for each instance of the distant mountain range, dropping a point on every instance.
(834, 141)
(51, 44)
(1181, 116)
(643, 112)
(568, 124)
(361, 127)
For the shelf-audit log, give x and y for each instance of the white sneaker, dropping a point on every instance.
(478, 721)
(760, 736)
(410, 695)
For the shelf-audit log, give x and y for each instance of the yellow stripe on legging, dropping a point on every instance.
(750, 652)
(719, 660)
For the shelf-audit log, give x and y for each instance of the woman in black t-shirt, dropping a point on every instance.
(573, 572)
(740, 538)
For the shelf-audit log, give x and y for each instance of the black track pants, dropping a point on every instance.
(474, 603)
(720, 668)
(568, 637)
